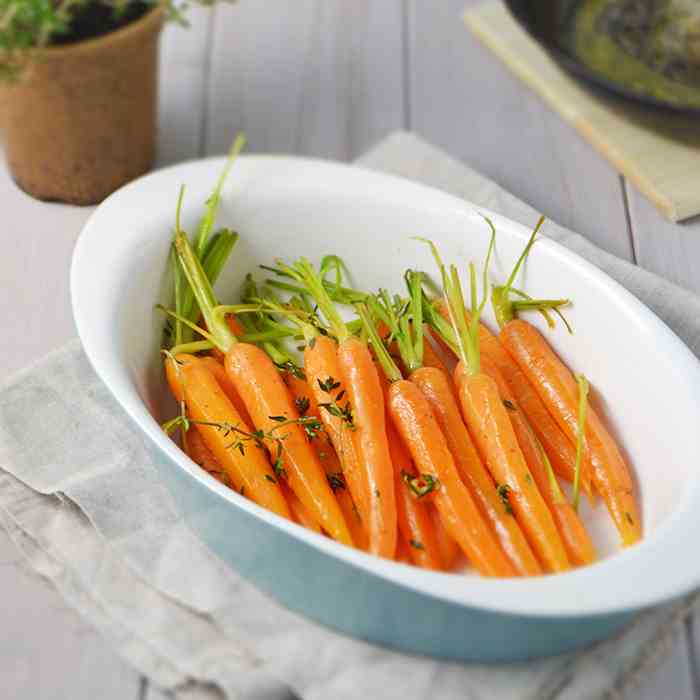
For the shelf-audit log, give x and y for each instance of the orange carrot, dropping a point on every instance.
(364, 393)
(299, 511)
(268, 402)
(489, 425)
(322, 369)
(421, 433)
(437, 389)
(306, 403)
(576, 540)
(415, 523)
(561, 453)
(217, 369)
(449, 549)
(249, 473)
(558, 389)
(271, 407)
(493, 433)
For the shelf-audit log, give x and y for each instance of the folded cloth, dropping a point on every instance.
(81, 499)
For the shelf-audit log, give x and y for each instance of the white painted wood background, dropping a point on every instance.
(326, 78)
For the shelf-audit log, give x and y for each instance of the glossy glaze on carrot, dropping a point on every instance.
(249, 473)
(267, 398)
(558, 389)
(579, 547)
(437, 389)
(321, 366)
(421, 433)
(364, 391)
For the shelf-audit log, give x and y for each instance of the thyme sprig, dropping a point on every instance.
(335, 406)
(242, 437)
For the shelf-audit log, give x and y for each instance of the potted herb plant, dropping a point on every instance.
(78, 93)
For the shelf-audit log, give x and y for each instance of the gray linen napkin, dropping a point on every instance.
(84, 505)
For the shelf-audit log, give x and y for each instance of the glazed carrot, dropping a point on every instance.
(576, 540)
(217, 369)
(299, 512)
(449, 549)
(322, 370)
(488, 423)
(249, 472)
(414, 519)
(558, 389)
(269, 404)
(417, 426)
(416, 525)
(421, 433)
(436, 387)
(359, 403)
(306, 403)
(556, 444)
(369, 438)
(198, 452)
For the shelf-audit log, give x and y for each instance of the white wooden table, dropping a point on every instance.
(326, 78)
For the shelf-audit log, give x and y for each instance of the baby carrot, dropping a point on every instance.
(322, 373)
(421, 433)
(360, 404)
(369, 438)
(415, 422)
(217, 369)
(415, 523)
(306, 403)
(555, 443)
(489, 424)
(558, 389)
(576, 540)
(436, 387)
(219, 424)
(269, 405)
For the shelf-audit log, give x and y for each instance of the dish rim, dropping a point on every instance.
(550, 596)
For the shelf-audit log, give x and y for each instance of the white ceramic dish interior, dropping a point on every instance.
(645, 380)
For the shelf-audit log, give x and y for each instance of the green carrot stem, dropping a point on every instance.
(313, 283)
(392, 372)
(339, 294)
(207, 222)
(414, 283)
(192, 348)
(215, 257)
(203, 292)
(583, 388)
(186, 322)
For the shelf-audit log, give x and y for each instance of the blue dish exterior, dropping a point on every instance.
(355, 602)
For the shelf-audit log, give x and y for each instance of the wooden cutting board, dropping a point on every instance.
(658, 152)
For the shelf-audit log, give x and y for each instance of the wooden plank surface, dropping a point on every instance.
(658, 152)
(46, 651)
(316, 77)
(465, 100)
(670, 250)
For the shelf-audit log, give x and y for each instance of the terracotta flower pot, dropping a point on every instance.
(81, 121)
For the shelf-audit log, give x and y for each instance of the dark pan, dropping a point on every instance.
(546, 22)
